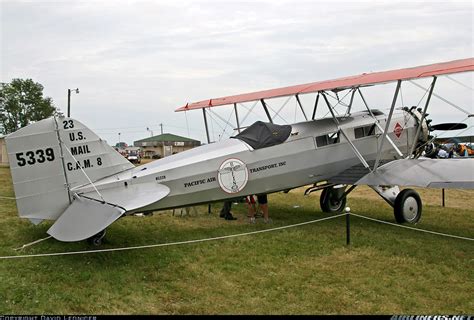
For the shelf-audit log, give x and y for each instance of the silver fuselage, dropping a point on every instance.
(193, 176)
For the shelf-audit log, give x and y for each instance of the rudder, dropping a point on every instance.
(51, 156)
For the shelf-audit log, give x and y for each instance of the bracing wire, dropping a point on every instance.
(296, 107)
(426, 92)
(249, 110)
(275, 114)
(401, 95)
(441, 98)
(212, 127)
(187, 123)
(459, 82)
(217, 123)
(339, 102)
(85, 174)
(226, 122)
(283, 105)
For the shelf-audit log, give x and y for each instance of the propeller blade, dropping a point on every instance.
(448, 126)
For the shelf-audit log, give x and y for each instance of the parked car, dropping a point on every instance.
(134, 157)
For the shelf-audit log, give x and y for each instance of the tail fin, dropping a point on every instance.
(49, 157)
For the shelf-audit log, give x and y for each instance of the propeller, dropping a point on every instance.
(448, 126)
(441, 126)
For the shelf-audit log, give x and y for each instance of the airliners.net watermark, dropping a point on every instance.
(431, 317)
(49, 318)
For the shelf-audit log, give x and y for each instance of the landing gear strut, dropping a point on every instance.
(96, 239)
(333, 200)
(406, 203)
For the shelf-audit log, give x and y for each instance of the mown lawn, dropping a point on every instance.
(302, 270)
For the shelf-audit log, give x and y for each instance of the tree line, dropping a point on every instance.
(21, 103)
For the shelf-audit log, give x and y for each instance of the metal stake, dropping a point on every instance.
(348, 226)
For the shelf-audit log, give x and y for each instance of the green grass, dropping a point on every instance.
(303, 270)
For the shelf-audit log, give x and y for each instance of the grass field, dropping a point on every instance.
(302, 270)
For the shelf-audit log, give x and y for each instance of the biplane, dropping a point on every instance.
(63, 171)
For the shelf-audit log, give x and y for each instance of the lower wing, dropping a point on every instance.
(429, 173)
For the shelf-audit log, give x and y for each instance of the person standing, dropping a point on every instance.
(225, 211)
(263, 204)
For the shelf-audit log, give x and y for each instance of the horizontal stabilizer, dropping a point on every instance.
(130, 196)
(428, 173)
(90, 214)
(83, 219)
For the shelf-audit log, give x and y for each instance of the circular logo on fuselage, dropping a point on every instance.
(232, 175)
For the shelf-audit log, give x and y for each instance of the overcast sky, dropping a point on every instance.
(135, 62)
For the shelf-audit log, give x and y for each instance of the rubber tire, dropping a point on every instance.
(97, 242)
(400, 201)
(97, 239)
(327, 203)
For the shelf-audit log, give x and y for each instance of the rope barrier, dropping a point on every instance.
(170, 243)
(411, 228)
(31, 243)
(222, 237)
(8, 198)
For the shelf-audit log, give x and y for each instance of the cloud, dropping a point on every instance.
(136, 61)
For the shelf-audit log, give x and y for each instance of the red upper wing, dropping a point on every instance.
(364, 79)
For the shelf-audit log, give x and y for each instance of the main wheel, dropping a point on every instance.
(332, 200)
(407, 207)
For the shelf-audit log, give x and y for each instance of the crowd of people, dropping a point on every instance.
(442, 151)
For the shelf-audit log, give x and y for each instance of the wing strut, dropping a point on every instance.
(349, 107)
(384, 134)
(266, 110)
(422, 117)
(301, 107)
(237, 117)
(357, 153)
(205, 124)
(378, 125)
(315, 106)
